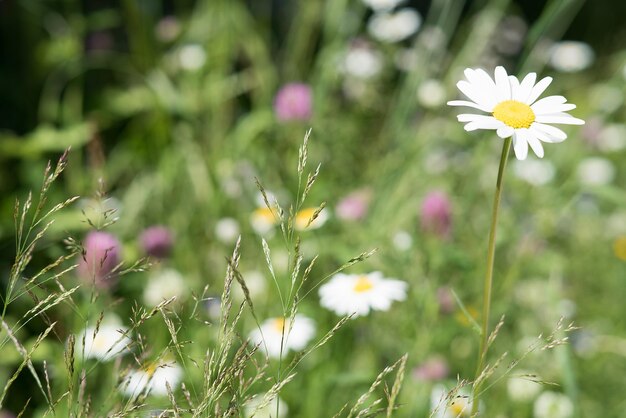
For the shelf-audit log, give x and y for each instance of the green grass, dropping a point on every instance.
(187, 148)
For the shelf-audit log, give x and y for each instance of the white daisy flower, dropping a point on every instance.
(107, 343)
(571, 56)
(382, 4)
(251, 408)
(394, 26)
(514, 109)
(277, 332)
(303, 217)
(347, 294)
(263, 220)
(553, 405)
(595, 171)
(522, 387)
(164, 285)
(227, 230)
(362, 61)
(445, 404)
(152, 379)
(535, 172)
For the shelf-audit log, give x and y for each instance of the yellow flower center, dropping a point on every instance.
(514, 114)
(279, 324)
(459, 407)
(265, 214)
(619, 247)
(363, 284)
(303, 216)
(151, 368)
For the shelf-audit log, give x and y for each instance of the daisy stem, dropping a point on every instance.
(484, 343)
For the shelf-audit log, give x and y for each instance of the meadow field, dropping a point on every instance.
(272, 208)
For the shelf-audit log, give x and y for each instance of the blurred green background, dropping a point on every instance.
(169, 107)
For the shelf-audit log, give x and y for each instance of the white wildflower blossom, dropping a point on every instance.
(535, 172)
(595, 171)
(570, 56)
(105, 343)
(152, 379)
(382, 4)
(277, 336)
(553, 405)
(251, 408)
(514, 109)
(394, 26)
(522, 387)
(347, 294)
(164, 285)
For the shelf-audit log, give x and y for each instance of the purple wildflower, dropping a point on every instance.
(157, 241)
(101, 256)
(436, 214)
(294, 101)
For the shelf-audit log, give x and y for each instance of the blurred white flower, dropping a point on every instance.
(571, 56)
(347, 294)
(301, 221)
(553, 405)
(362, 61)
(268, 411)
(255, 282)
(612, 138)
(107, 343)
(382, 4)
(152, 379)
(431, 93)
(514, 109)
(402, 240)
(522, 387)
(535, 172)
(595, 171)
(191, 57)
(164, 285)
(606, 97)
(394, 26)
(227, 230)
(444, 404)
(167, 29)
(263, 220)
(275, 333)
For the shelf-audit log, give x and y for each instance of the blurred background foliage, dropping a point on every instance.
(169, 109)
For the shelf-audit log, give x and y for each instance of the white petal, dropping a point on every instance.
(487, 123)
(526, 87)
(472, 93)
(471, 117)
(544, 137)
(470, 104)
(566, 107)
(487, 85)
(549, 130)
(505, 131)
(520, 145)
(548, 104)
(539, 88)
(564, 119)
(534, 144)
(502, 84)
(514, 82)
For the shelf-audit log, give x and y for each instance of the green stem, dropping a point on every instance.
(482, 353)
